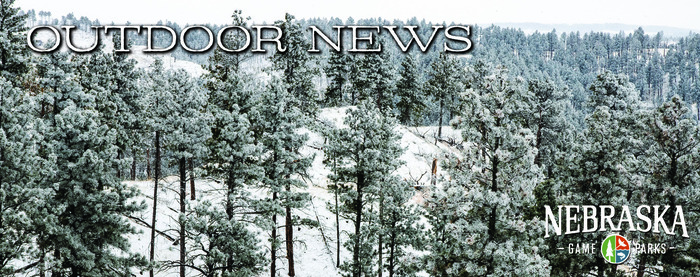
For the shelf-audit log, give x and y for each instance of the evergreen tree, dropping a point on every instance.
(219, 246)
(400, 231)
(13, 49)
(85, 232)
(408, 90)
(159, 108)
(601, 166)
(547, 120)
(384, 82)
(372, 77)
(221, 64)
(444, 86)
(553, 135)
(284, 165)
(295, 65)
(478, 226)
(337, 71)
(297, 74)
(672, 173)
(336, 186)
(368, 153)
(234, 154)
(113, 79)
(187, 133)
(20, 166)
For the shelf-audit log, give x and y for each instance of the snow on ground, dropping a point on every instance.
(315, 254)
(144, 60)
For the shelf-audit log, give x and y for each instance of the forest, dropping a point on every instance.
(540, 119)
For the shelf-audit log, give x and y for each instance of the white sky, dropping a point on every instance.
(673, 13)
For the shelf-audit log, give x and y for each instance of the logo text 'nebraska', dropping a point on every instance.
(645, 219)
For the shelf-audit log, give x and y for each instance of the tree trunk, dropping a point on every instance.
(452, 105)
(337, 227)
(231, 187)
(538, 141)
(133, 164)
(392, 246)
(357, 267)
(56, 272)
(381, 225)
(433, 176)
(493, 214)
(148, 164)
(273, 246)
(192, 191)
(668, 259)
(42, 264)
(155, 198)
(601, 263)
(2, 208)
(642, 266)
(440, 122)
(120, 156)
(289, 232)
(380, 96)
(183, 187)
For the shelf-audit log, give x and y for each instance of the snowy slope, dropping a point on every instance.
(315, 254)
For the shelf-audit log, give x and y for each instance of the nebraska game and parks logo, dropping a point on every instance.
(667, 221)
(615, 249)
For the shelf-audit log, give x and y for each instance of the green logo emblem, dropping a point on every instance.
(615, 249)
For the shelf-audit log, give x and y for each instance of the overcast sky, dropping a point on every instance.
(673, 13)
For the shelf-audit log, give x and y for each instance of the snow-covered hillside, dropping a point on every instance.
(315, 253)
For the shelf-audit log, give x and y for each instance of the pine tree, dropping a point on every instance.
(411, 99)
(13, 49)
(372, 77)
(336, 186)
(113, 79)
(222, 64)
(601, 167)
(159, 106)
(131, 112)
(284, 164)
(368, 153)
(360, 79)
(20, 165)
(478, 226)
(86, 226)
(187, 133)
(384, 82)
(19, 168)
(444, 86)
(295, 65)
(297, 74)
(554, 134)
(234, 153)
(547, 120)
(672, 173)
(400, 231)
(223, 247)
(337, 71)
